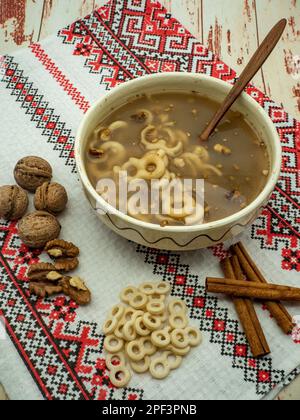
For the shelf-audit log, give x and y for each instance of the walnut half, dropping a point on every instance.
(64, 253)
(75, 288)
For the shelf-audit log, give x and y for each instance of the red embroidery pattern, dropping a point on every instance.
(62, 80)
(120, 42)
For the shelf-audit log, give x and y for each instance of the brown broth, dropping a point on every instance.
(234, 150)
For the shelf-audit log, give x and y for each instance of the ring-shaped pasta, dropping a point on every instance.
(113, 344)
(142, 167)
(138, 300)
(106, 133)
(174, 364)
(155, 308)
(157, 298)
(129, 332)
(160, 144)
(110, 325)
(135, 350)
(152, 322)
(117, 311)
(178, 351)
(162, 288)
(180, 338)
(112, 153)
(177, 305)
(127, 293)
(149, 347)
(159, 368)
(144, 116)
(120, 376)
(148, 288)
(194, 336)
(141, 328)
(110, 358)
(197, 217)
(178, 320)
(141, 366)
(161, 338)
(119, 330)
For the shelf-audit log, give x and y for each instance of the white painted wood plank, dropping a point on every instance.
(282, 78)
(230, 31)
(19, 23)
(188, 12)
(58, 13)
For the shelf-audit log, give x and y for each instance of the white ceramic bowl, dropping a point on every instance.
(182, 237)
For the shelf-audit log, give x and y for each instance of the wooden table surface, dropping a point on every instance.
(231, 28)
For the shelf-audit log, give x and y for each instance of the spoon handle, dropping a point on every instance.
(257, 60)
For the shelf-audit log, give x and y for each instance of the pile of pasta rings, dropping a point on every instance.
(146, 331)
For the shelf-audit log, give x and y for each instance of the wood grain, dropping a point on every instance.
(20, 22)
(253, 66)
(281, 71)
(230, 31)
(231, 28)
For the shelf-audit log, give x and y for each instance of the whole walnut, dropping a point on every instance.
(51, 197)
(13, 202)
(31, 172)
(38, 228)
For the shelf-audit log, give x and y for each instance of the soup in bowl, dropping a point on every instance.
(150, 177)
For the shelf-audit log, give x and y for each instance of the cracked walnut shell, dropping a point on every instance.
(13, 202)
(38, 228)
(31, 172)
(51, 197)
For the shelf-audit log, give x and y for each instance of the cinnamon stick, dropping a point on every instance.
(251, 290)
(247, 315)
(277, 310)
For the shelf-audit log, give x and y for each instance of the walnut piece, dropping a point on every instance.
(60, 248)
(54, 276)
(78, 283)
(220, 148)
(44, 289)
(31, 172)
(40, 271)
(51, 197)
(81, 297)
(38, 228)
(13, 202)
(66, 264)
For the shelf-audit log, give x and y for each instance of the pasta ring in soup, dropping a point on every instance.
(160, 144)
(151, 166)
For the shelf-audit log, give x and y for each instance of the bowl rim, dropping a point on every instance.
(247, 211)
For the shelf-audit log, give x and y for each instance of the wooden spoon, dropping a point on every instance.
(258, 59)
